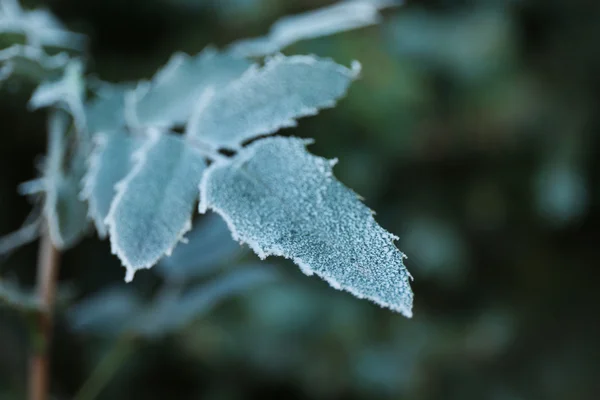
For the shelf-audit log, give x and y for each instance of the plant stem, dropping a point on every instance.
(47, 273)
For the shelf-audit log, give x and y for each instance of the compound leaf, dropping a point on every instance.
(283, 201)
(267, 99)
(153, 206)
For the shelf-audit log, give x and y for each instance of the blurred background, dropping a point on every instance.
(474, 135)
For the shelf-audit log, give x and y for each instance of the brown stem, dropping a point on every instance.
(47, 272)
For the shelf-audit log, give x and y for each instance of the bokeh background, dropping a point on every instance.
(474, 135)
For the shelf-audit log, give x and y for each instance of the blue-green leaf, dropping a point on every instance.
(31, 62)
(209, 245)
(107, 111)
(283, 201)
(153, 206)
(169, 98)
(65, 213)
(322, 22)
(173, 311)
(109, 163)
(267, 99)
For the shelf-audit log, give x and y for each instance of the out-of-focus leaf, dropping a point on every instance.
(67, 92)
(108, 312)
(283, 201)
(561, 192)
(109, 163)
(326, 21)
(469, 46)
(39, 27)
(153, 206)
(31, 62)
(267, 99)
(14, 297)
(65, 213)
(209, 245)
(169, 98)
(173, 311)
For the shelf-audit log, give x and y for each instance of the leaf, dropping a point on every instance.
(107, 111)
(283, 201)
(168, 100)
(209, 246)
(31, 62)
(267, 99)
(107, 312)
(65, 213)
(153, 206)
(109, 163)
(39, 27)
(325, 21)
(68, 91)
(15, 297)
(173, 311)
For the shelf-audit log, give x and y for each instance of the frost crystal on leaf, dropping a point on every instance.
(153, 206)
(322, 22)
(109, 163)
(283, 201)
(169, 98)
(267, 99)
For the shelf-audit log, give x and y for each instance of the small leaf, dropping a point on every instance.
(267, 99)
(39, 27)
(209, 245)
(313, 24)
(168, 100)
(173, 311)
(109, 163)
(283, 201)
(153, 206)
(65, 213)
(108, 312)
(13, 296)
(68, 91)
(31, 62)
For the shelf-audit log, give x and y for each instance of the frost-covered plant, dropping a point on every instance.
(114, 159)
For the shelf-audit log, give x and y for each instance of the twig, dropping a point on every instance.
(47, 273)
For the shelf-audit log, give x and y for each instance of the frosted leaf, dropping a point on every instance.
(326, 21)
(169, 98)
(208, 246)
(283, 201)
(153, 206)
(267, 99)
(65, 213)
(109, 163)
(39, 27)
(31, 62)
(68, 91)
(173, 311)
(107, 312)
